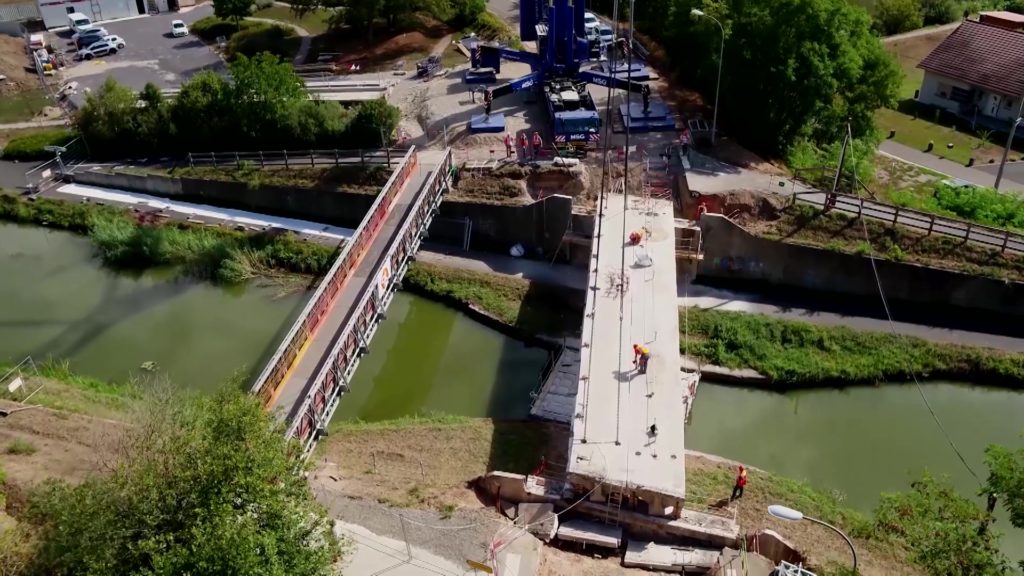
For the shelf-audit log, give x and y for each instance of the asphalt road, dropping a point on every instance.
(1014, 171)
(151, 54)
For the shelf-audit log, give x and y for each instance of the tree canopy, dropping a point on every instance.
(264, 107)
(365, 15)
(204, 486)
(792, 68)
(1006, 481)
(233, 10)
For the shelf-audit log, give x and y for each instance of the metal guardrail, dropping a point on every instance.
(297, 158)
(1000, 238)
(332, 381)
(51, 171)
(317, 307)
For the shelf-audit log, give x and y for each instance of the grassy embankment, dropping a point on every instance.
(793, 353)
(62, 389)
(22, 106)
(359, 179)
(208, 253)
(803, 224)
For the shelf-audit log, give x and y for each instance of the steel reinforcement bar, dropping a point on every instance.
(319, 304)
(322, 398)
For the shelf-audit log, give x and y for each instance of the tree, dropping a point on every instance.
(1006, 481)
(106, 121)
(939, 11)
(940, 530)
(264, 94)
(203, 113)
(233, 10)
(374, 123)
(203, 486)
(895, 16)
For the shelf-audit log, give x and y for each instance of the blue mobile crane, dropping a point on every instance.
(562, 49)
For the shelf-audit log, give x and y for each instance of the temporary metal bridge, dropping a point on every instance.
(311, 369)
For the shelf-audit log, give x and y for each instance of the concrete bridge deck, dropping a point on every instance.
(292, 391)
(615, 404)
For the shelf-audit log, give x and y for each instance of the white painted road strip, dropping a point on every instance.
(202, 211)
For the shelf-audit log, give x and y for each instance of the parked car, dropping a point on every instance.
(606, 35)
(117, 41)
(101, 48)
(178, 28)
(88, 37)
(590, 25)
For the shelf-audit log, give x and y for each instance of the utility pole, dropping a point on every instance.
(842, 158)
(1009, 143)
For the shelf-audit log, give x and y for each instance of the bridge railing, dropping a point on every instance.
(323, 396)
(999, 238)
(319, 304)
(297, 158)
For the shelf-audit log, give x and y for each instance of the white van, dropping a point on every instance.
(78, 22)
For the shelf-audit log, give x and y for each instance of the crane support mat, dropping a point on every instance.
(657, 119)
(480, 76)
(482, 123)
(640, 73)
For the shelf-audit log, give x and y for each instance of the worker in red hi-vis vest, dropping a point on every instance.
(741, 482)
(702, 209)
(537, 143)
(508, 145)
(524, 144)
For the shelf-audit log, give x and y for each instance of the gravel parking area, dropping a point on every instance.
(151, 54)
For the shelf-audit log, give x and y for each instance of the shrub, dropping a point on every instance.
(277, 40)
(939, 11)
(211, 27)
(33, 146)
(895, 16)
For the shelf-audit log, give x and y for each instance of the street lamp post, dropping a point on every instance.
(718, 85)
(785, 513)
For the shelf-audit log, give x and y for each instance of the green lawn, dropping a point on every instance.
(22, 106)
(314, 22)
(917, 132)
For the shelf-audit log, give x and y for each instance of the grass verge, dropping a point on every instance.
(32, 145)
(62, 389)
(359, 179)
(917, 133)
(22, 106)
(528, 306)
(799, 354)
(209, 253)
(840, 232)
(314, 22)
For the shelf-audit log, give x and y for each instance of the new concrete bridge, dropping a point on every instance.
(310, 371)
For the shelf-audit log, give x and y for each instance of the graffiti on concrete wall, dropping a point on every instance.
(737, 265)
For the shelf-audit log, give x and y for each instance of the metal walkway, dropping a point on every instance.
(309, 372)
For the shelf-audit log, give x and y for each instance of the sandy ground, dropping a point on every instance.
(13, 60)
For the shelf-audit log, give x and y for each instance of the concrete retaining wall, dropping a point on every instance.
(539, 226)
(732, 253)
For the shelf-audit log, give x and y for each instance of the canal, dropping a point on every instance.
(58, 301)
(862, 441)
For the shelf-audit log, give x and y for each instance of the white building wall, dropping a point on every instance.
(55, 12)
(935, 90)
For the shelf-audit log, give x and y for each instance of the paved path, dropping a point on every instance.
(718, 299)
(307, 39)
(921, 32)
(532, 270)
(33, 124)
(946, 167)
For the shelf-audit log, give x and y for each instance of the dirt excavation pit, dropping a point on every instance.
(741, 206)
(519, 184)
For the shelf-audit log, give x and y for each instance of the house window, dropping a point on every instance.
(942, 90)
(1007, 102)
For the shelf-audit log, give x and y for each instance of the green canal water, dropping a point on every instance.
(57, 301)
(861, 441)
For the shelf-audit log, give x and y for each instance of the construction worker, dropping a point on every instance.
(646, 93)
(741, 482)
(508, 145)
(488, 98)
(641, 356)
(524, 144)
(537, 143)
(635, 237)
(702, 209)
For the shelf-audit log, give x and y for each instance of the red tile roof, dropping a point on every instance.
(981, 55)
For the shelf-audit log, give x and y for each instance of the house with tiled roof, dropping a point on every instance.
(977, 72)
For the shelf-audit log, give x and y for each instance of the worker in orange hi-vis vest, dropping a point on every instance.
(537, 143)
(508, 145)
(524, 144)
